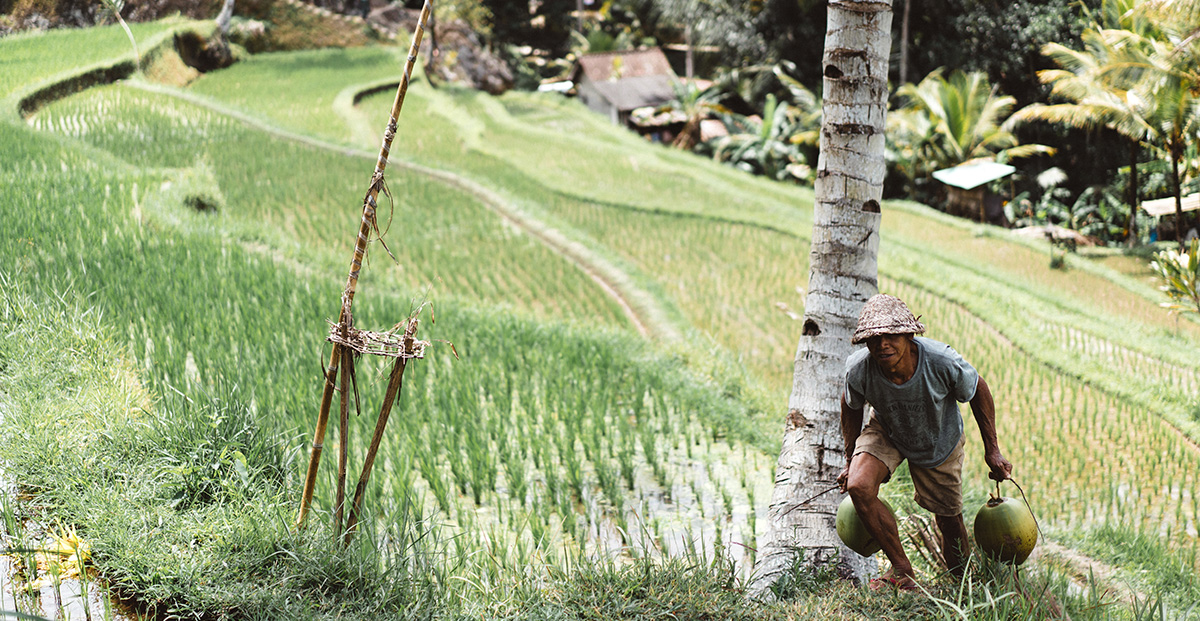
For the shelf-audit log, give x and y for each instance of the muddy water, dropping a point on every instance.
(48, 598)
(68, 598)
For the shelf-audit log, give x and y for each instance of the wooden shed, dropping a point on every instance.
(615, 83)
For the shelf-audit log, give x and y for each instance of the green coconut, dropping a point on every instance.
(852, 531)
(1005, 530)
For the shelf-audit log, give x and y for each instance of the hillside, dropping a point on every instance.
(617, 308)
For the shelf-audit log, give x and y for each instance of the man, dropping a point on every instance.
(913, 385)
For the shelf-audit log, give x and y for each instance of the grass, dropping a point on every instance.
(154, 274)
(1145, 559)
(558, 437)
(38, 56)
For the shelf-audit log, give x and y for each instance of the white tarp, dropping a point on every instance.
(972, 175)
(1166, 206)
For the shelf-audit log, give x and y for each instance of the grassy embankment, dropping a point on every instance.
(250, 322)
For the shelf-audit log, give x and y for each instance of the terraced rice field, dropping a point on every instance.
(559, 431)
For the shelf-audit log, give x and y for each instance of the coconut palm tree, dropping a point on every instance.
(1160, 66)
(1093, 100)
(843, 272)
(967, 119)
(693, 104)
(1176, 118)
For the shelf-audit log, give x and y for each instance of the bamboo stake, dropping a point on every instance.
(360, 251)
(343, 439)
(393, 390)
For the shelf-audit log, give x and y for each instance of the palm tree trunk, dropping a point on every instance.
(688, 66)
(1132, 237)
(904, 43)
(1176, 154)
(842, 276)
(225, 17)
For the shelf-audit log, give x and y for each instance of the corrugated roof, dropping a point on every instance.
(971, 176)
(1166, 206)
(629, 93)
(606, 66)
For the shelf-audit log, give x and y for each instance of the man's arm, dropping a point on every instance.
(984, 410)
(852, 420)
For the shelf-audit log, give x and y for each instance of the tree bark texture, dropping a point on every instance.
(1131, 235)
(225, 17)
(843, 270)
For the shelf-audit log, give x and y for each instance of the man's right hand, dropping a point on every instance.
(844, 478)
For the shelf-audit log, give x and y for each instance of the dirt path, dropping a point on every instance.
(639, 306)
(1085, 570)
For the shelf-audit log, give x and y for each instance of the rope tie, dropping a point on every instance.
(390, 132)
(370, 206)
(1026, 501)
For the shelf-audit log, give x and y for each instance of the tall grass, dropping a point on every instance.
(547, 441)
(439, 236)
(202, 311)
(36, 56)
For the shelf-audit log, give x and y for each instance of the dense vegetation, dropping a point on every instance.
(172, 255)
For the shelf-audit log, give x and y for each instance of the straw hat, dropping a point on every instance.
(885, 314)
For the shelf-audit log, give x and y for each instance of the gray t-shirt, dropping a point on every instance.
(921, 415)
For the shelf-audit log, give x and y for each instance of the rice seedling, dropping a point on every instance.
(37, 58)
(198, 298)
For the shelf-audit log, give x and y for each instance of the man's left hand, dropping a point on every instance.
(1000, 467)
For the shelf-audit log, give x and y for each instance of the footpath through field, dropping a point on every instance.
(641, 308)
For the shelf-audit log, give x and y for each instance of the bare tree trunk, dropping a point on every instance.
(1176, 155)
(904, 44)
(435, 52)
(224, 18)
(842, 276)
(688, 61)
(1132, 237)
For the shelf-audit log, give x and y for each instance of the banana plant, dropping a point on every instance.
(763, 146)
(943, 122)
(1180, 273)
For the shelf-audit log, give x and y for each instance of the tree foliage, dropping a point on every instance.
(1000, 39)
(943, 122)
(1180, 273)
(1136, 74)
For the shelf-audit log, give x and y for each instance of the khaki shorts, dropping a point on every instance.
(938, 489)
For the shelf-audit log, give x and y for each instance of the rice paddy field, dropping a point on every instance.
(612, 323)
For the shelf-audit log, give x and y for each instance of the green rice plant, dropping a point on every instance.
(626, 457)
(552, 484)
(515, 473)
(608, 478)
(432, 475)
(650, 441)
(481, 464)
(37, 58)
(199, 298)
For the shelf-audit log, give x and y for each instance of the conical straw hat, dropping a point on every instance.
(885, 314)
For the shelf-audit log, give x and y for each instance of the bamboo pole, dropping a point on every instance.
(393, 390)
(343, 439)
(360, 251)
